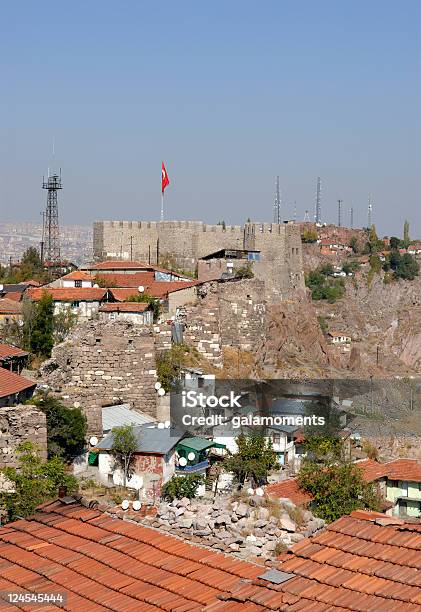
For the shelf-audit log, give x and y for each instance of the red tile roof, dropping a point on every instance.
(157, 289)
(121, 265)
(123, 295)
(16, 296)
(8, 350)
(78, 275)
(127, 280)
(161, 289)
(31, 282)
(11, 383)
(290, 490)
(10, 306)
(399, 469)
(372, 470)
(135, 307)
(80, 294)
(365, 561)
(404, 469)
(103, 563)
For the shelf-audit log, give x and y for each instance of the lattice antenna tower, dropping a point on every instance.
(318, 211)
(51, 229)
(277, 203)
(369, 212)
(340, 213)
(351, 217)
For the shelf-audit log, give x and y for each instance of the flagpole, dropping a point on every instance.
(162, 206)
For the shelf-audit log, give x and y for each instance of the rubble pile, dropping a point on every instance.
(255, 527)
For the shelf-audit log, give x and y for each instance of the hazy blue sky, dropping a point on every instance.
(229, 93)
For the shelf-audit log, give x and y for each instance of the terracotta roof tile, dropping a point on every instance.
(8, 350)
(290, 490)
(133, 307)
(70, 294)
(11, 383)
(8, 306)
(106, 563)
(78, 275)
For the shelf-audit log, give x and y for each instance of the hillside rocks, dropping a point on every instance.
(294, 340)
(234, 526)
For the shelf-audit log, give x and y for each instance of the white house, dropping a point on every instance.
(339, 337)
(83, 302)
(139, 313)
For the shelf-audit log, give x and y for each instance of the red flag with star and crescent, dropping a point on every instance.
(165, 181)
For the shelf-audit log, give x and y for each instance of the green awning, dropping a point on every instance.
(197, 444)
(93, 458)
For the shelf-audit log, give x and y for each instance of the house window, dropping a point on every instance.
(404, 488)
(276, 439)
(75, 304)
(78, 283)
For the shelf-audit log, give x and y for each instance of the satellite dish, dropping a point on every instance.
(158, 385)
(93, 440)
(259, 491)
(125, 504)
(161, 391)
(96, 286)
(76, 405)
(161, 425)
(182, 461)
(136, 505)
(141, 288)
(136, 482)
(250, 491)
(167, 424)
(191, 456)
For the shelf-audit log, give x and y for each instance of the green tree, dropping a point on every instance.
(244, 272)
(353, 243)
(254, 460)
(66, 428)
(309, 236)
(394, 243)
(123, 448)
(42, 333)
(336, 485)
(63, 323)
(34, 481)
(31, 259)
(408, 267)
(182, 486)
(19, 332)
(375, 263)
(154, 303)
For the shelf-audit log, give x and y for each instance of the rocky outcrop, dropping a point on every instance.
(246, 527)
(294, 343)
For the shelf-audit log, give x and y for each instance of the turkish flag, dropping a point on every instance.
(165, 181)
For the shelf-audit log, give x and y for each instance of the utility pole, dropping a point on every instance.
(318, 215)
(340, 213)
(369, 212)
(131, 248)
(351, 214)
(277, 203)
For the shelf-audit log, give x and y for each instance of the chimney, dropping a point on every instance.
(62, 492)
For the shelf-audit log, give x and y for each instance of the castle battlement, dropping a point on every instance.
(185, 242)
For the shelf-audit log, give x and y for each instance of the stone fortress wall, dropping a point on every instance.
(281, 265)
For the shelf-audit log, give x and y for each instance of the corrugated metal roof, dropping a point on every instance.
(122, 414)
(150, 439)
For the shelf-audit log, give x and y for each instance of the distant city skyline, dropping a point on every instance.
(228, 95)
